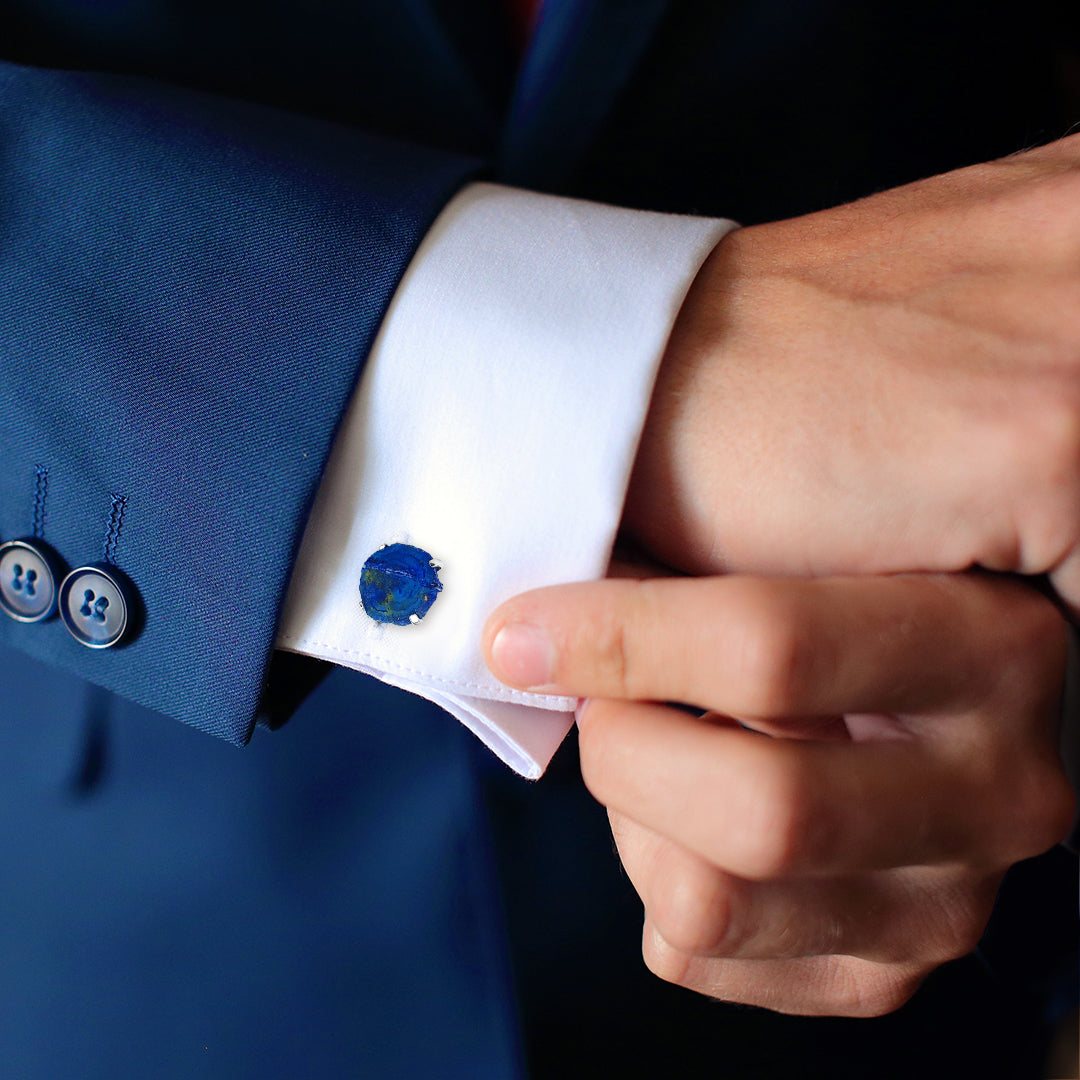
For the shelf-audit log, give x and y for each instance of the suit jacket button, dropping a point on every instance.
(95, 604)
(29, 571)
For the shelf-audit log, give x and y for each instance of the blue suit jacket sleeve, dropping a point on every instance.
(188, 290)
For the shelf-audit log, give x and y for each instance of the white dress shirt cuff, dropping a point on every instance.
(495, 427)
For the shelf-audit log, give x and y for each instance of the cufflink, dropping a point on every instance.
(97, 605)
(399, 583)
(29, 571)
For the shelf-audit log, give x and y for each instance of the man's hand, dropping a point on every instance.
(892, 385)
(829, 868)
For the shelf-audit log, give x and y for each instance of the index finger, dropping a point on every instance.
(764, 808)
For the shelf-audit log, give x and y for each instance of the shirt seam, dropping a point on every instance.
(560, 703)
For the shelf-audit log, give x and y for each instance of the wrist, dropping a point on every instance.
(666, 511)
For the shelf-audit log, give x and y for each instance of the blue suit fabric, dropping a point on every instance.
(205, 208)
(191, 287)
(323, 904)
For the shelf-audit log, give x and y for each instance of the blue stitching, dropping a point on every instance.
(41, 493)
(115, 523)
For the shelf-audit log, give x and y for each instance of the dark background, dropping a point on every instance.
(756, 111)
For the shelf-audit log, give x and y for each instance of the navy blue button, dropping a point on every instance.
(399, 583)
(95, 605)
(29, 571)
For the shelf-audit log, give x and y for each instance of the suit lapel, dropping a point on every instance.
(481, 34)
(468, 53)
(581, 56)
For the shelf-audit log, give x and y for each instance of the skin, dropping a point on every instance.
(898, 754)
(887, 386)
(880, 388)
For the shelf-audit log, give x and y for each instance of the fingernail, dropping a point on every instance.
(523, 655)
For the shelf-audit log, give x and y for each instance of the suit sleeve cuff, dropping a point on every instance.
(494, 429)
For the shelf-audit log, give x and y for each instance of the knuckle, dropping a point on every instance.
(1045, 636)
(1044, 812)
(1059, 819)
(1031, 658)
(693, 913)
(622, 642)
(954, 924)
(868, 990)
(883, 996)
(664, 961)
(1034, 815)
(781, 831)
(963, 938)
(607, 641)
(1026, 798)
(773, 652)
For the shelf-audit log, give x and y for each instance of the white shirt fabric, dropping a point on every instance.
(495, 427)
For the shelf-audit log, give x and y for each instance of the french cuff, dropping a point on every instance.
(492, 437)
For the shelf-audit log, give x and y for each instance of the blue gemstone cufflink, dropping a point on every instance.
(399, 583)
(29, 573)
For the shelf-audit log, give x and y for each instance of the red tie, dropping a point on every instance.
(525, 13)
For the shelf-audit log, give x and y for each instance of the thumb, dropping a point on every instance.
(555, 639)
(775, 647)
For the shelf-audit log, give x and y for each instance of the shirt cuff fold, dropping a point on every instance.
(494, 429)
